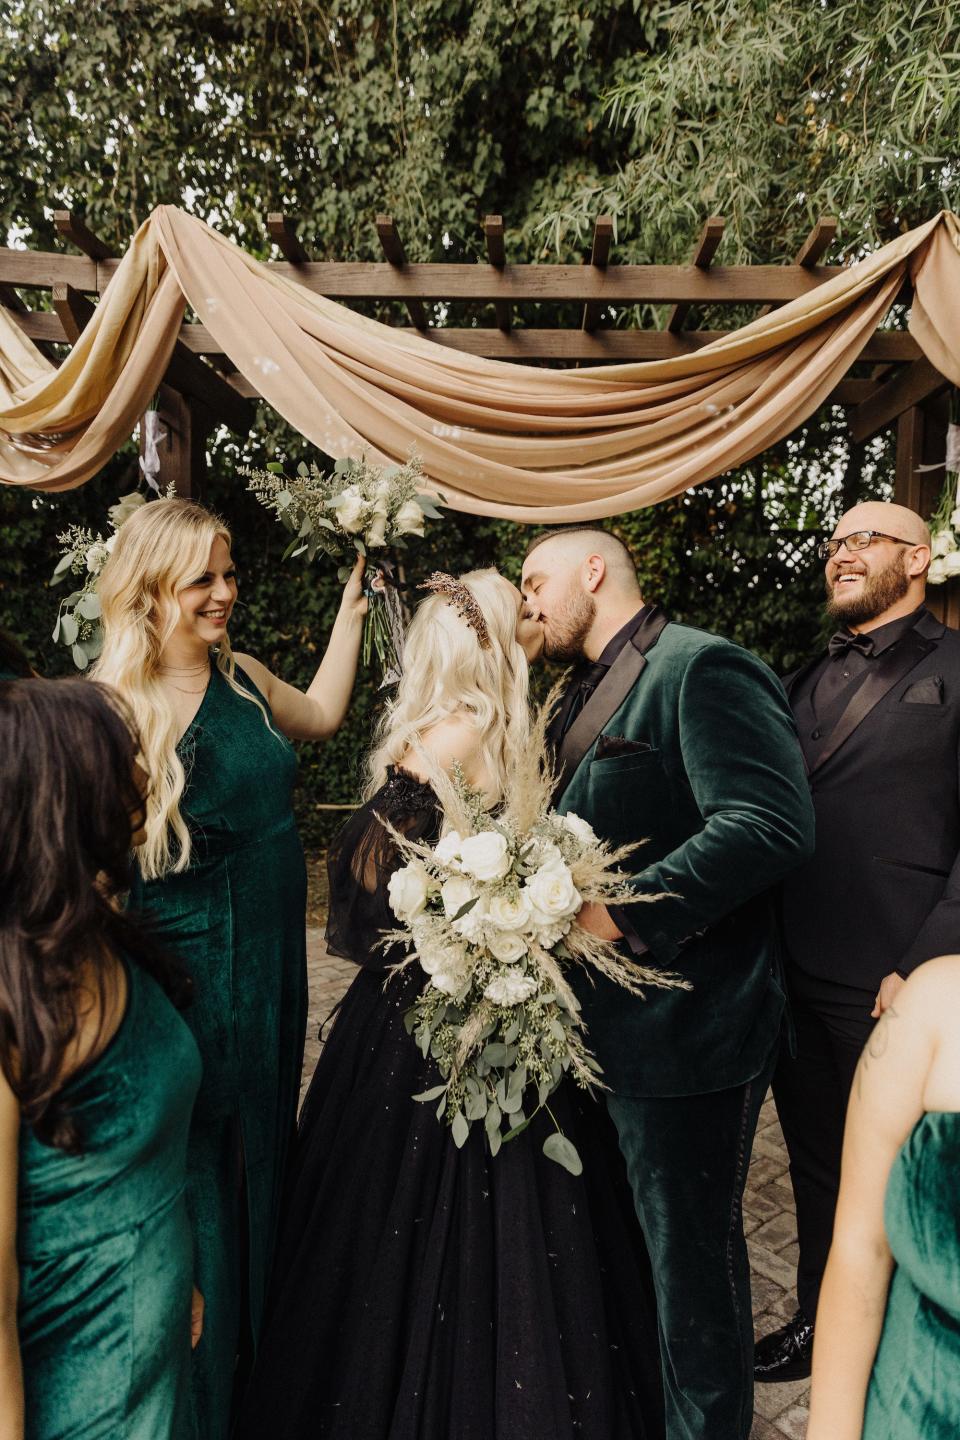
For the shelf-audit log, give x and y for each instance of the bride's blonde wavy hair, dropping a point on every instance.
(159, 550)
(446, 671)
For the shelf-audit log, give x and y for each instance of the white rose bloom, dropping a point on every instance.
(472, 926)
(485, 855)
(506, 946)
(435, 958)
(546, 855)
(409, 519)
(350, 507)
(510, 912)
(550, 935)
(951, 563)
(447, 849)
(510, 989)
(937, 572)
(580, 829)
(553, 893)
(407, 890)
(453, 982)
(455, 893)
(942, 542)
(96, 556)
(109, 544)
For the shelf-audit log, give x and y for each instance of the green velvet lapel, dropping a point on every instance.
(607, 697)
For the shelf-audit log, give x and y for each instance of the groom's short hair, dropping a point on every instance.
(619, 560)
(610, 541)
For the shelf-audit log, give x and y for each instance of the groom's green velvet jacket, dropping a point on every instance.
(711, 776)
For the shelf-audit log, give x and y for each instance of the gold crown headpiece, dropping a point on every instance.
(463, 601)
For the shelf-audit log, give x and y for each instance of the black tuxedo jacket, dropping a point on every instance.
(882, 891)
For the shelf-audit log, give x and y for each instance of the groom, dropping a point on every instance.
(676, 737)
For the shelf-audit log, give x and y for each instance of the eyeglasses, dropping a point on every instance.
(856, 540)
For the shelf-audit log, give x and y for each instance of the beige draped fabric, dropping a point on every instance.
(499, 439)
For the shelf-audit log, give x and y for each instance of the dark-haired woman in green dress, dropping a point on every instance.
(98, 1075)
(886, 1359)
(221, 873)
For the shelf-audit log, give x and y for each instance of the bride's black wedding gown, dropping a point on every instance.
(421, 1292)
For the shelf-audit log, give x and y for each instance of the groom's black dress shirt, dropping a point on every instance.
(588, 674)
(585, 679)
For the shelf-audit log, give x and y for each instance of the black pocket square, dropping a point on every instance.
(609, 745)
(928, 691)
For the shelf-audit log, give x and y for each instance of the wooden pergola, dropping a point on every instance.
(891, 382)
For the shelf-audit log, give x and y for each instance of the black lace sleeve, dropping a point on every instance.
(361, 860)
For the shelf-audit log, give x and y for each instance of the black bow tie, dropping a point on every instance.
(840, 643)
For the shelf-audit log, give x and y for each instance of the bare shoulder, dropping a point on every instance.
(454, 740)
(931, 995)
(255, 668)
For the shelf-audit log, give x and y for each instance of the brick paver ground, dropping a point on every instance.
(781, 1410)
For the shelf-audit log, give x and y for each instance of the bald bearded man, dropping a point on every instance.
(684, 741)
(879, 721)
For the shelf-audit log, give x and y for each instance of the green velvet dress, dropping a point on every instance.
(915, 1388)
(236, 917)
(104, 1242)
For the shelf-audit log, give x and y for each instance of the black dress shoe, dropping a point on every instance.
(786, 1354)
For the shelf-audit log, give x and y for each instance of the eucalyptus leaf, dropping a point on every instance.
(476, 1107)
(274, 467)
(460, 1129)
(432, 1093)
(303, 470)
(557, 1147)
(89, 605)
(495, 1140)
(69, 630)
(465, 910)
(79, 657)
(64, 563)
(494, 1116)
(341, 466)
(93, 644)
(495, 1053)
(292, 548)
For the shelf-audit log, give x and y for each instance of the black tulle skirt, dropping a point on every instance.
(427, 1293)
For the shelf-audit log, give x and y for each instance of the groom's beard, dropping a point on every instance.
(567, 630)
(879, 591)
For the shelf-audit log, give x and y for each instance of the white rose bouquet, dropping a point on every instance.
(361, 508)
(84, 554)
(489, 916)
(945, 521)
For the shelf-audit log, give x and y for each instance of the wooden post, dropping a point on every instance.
(920, 475)
(183, 456)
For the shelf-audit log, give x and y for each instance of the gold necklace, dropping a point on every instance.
(177, 670)
(203, 691)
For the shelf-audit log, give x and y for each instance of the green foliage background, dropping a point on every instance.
(441, 113)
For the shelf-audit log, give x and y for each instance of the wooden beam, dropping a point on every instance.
(599, 255)
(497, 256)
(283, 233)
(188, 373)
(392, 247)
(72, 228)
(73, 310)
(909, 387)
(710, 237)
(569, 284)
(886, 347)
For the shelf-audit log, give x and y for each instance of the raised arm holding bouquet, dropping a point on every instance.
(357, 509)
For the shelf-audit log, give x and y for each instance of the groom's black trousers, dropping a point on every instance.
(687, 1158)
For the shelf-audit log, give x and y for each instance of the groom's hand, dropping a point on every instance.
(596, 920)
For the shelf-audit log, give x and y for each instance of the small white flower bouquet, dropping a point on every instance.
(84, 554)
(358, 509)
(489, 916)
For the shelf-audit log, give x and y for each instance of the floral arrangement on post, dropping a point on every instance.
(360, 507)
(84, 554)
(945, 522)
(489, 915)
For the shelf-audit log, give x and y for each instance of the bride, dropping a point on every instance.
(422, 1292)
